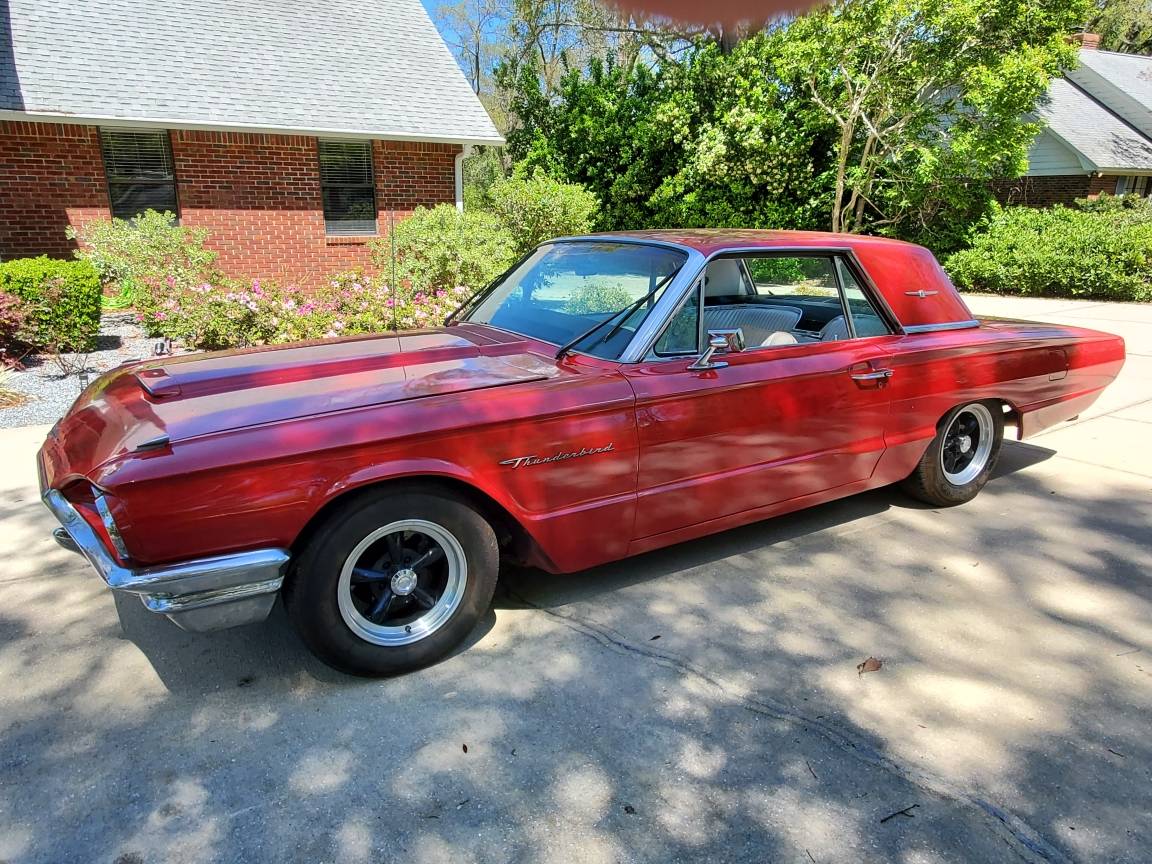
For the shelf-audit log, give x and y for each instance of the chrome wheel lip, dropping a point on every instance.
(983, 451)
(434, 618)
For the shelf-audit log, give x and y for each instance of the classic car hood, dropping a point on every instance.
(176, 398)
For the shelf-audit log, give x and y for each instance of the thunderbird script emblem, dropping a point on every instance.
(526, 461)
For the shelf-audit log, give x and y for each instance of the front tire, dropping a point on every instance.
(961, 457)
(393, 581)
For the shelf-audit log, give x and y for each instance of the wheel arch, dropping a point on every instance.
(514, 539)
(1008, 410)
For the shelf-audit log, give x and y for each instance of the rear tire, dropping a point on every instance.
(961, 457)
(393, 581)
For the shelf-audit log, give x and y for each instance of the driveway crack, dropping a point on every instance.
(1021, 837)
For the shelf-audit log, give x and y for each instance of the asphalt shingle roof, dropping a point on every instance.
(354, 66)
(1098, 134)
(1131, 73)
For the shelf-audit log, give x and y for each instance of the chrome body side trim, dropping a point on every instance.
(947, 325)
(200, 594)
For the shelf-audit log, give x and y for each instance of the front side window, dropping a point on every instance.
(348, 188)
(138, 165)
(776, 301)
(564, 289)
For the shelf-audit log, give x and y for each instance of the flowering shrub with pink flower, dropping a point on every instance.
(231, 315)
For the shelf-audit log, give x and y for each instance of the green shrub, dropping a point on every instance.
(597, 297)
(441, 248)
(145, 255)
(1104, 252)
(538, 208)
(61, 301)
(1135, 206)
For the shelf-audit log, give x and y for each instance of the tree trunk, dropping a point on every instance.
(863, 190)
(845, 145)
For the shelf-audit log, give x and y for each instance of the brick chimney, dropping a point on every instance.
(1087, 41)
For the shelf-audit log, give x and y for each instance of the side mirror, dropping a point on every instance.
(728, 341)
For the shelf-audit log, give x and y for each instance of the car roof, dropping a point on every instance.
(709, 241)
(907, 276)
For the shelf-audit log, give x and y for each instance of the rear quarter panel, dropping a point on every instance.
(1047, 373)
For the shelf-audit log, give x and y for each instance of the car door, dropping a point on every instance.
(801, 410)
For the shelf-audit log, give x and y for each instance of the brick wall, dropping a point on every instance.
(258, 195)
(1046, 191)
(51, 176)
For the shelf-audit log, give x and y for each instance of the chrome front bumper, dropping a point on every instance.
(202, 594)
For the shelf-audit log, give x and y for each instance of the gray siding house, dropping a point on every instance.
(1098, 135)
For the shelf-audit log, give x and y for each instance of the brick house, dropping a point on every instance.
(1098, 133)
(293, 130)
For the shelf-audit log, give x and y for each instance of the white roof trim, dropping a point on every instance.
(161, 123)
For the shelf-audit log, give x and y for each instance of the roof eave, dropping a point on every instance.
(1124, 169)
(251, 128)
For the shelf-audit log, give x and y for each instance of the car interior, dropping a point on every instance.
(785, 301)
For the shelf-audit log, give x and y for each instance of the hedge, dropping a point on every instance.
(61, 300)
(1100, 250)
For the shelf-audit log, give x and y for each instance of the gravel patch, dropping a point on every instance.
(51, 394)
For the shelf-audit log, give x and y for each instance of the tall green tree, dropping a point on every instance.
(1123, 25)
(880, 115)
(714, 139)
(928, 98)
(608, 127)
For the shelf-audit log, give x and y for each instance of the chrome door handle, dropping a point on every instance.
(875, 375)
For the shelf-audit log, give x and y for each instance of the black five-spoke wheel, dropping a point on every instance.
(393, 580)
(402, 582)
(960, 459)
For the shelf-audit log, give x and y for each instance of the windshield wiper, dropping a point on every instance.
(626, 312)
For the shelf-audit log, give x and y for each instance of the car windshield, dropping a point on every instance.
(563, 289)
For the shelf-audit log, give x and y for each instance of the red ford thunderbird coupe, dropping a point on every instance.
(607, 396)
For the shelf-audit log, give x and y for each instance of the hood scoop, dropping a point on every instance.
(158, 383)
(213, 401)
(196, 375)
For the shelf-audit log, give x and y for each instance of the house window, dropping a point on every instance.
(347, 187)
(138, 165)
(1134, 186)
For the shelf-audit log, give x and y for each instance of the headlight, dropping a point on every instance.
(110, 526)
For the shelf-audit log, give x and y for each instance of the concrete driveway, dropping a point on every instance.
(697, 704)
